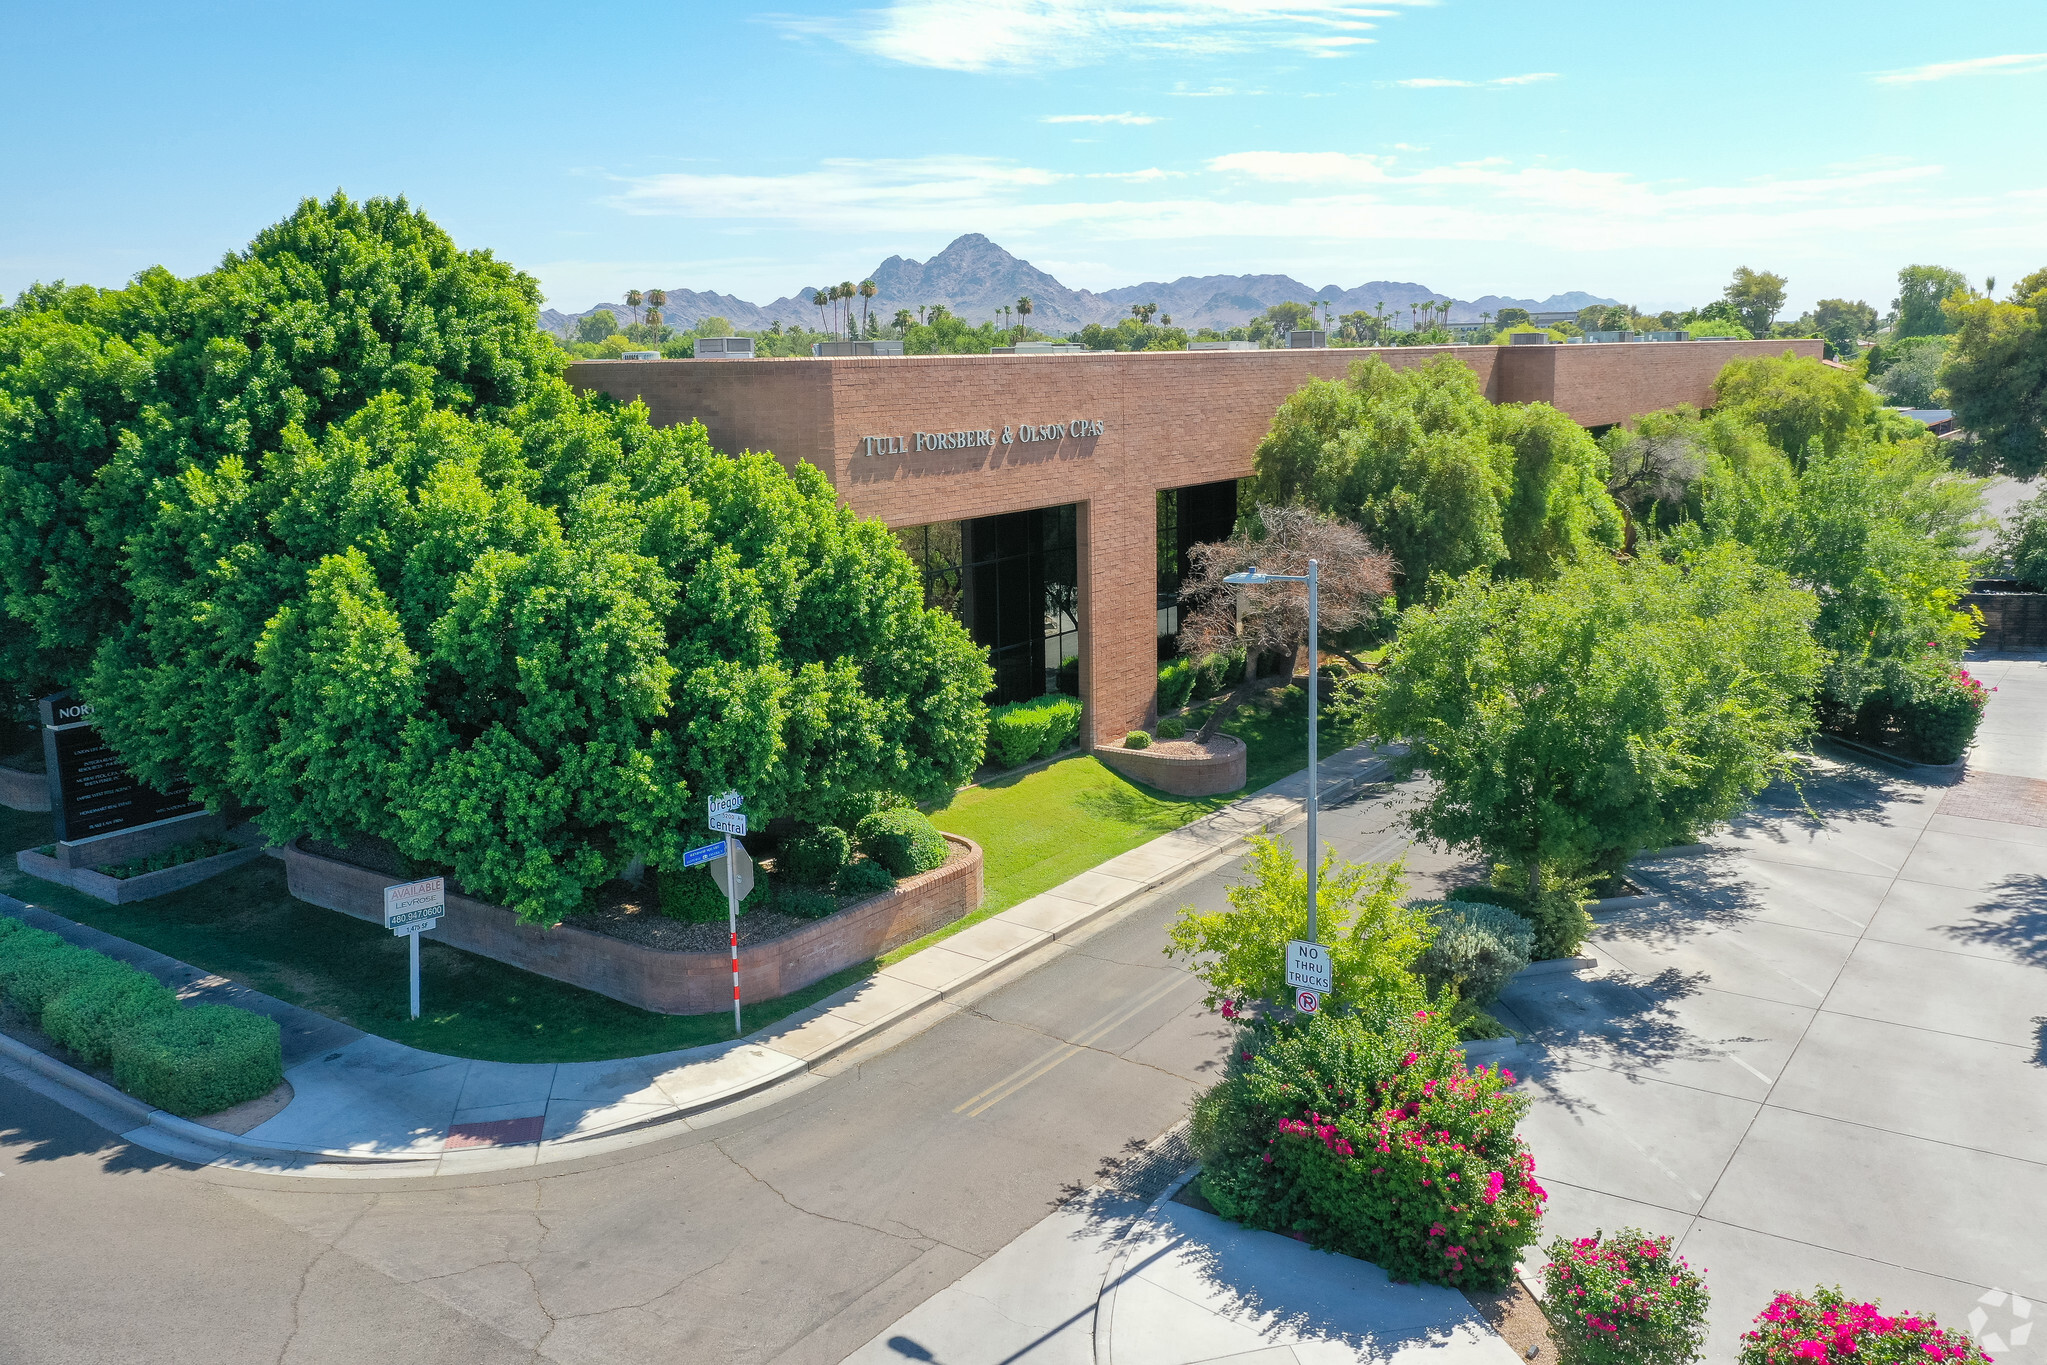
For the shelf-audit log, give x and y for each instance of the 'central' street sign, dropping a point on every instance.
(727, 823)
(1307, 967)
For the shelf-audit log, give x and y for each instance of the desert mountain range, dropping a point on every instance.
(973, 277)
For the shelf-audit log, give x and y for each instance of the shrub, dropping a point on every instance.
(815, 858)
(1825, 1327)
(1216, 673)
(1623, 1300)
(9, 926)
(1172, 728)
(864, 878)
(2022, 544)
(1557, 918)
(806, 902)
(1176, 683)
(91, 1015)
(177, 855)
(1038, 728)
(689, 894)
(199, 1060)
(903, 841)
(38, 971)
(1936, 714)
(1477, 950)
(1137, 739)
(1366, 1134)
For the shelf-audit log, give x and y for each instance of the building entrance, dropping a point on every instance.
(1014, 581)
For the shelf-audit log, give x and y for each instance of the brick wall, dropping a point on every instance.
(1171, 419)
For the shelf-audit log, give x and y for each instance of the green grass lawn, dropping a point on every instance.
(1036, 831)
(245, 926)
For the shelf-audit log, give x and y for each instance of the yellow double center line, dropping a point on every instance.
(1016, 1080)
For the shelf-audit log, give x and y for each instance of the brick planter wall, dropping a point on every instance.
(122, 890)
(657, 979)
(24, 791)
(1223, 769)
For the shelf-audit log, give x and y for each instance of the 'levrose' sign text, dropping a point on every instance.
(1022, 433)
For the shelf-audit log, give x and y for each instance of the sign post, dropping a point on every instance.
(727, 820)
(410, 909)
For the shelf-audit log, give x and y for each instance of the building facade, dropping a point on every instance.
(1050, 499)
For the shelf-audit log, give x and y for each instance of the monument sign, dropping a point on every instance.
(91, 790)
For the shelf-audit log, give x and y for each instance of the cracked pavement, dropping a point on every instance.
(787, 1233)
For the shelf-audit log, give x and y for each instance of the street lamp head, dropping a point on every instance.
(1246, 579)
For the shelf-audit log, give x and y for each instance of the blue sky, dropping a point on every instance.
(1640, 151)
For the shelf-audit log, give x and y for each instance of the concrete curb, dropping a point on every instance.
(1881, 755)
(939, 973)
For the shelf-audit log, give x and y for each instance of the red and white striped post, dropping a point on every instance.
(732, 920)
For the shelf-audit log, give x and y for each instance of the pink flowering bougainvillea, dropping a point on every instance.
(1366, 1134)
(1829, 1328)
(1627, 1299)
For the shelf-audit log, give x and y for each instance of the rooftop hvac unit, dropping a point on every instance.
(1297, 341)
(1528, 338)
(1222, 345)
(639, 355)
(724, 348)
(840, 349)
(1663, 336)
(1041, 348)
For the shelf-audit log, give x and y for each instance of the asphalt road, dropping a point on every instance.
(790, 1233)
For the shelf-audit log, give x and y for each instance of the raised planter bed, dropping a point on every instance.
(1896, 759)
(663, 980)
(1183, 767)
(122, 890)
(21, 790)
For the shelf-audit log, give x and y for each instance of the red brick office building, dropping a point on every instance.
(1048, 497)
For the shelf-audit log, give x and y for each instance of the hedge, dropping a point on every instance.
(864, 878)
(903, 841)
(190, 1061)
(1176, 683)
(91, 1015)
(690, 895)
(815, 858)
(1039, 728)
(200, 1060)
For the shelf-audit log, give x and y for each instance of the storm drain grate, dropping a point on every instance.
(1147, 1174)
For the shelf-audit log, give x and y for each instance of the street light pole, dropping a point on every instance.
(1251, 578)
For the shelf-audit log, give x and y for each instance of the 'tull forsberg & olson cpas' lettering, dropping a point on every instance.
(962, 440)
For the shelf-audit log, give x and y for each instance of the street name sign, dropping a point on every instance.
(726, 822)
(414, 907)
(1307, 967)
(722, 870)
(706, 853)
(730, 801)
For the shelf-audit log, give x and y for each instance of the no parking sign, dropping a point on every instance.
(1307, 1002)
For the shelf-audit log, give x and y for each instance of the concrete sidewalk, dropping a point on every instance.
(1111, 1280)
(366, 1106)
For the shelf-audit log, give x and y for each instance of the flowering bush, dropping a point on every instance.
(1365, 1133)
(1826, 1327)
(1623, 1300)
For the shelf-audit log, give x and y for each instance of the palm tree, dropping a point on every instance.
(632, 301)
(848, 291)
(820, 299)
(868, 289)
(657, 299)
(1323, 304)
(904, 317)
(1143, 312)
(1023, 308)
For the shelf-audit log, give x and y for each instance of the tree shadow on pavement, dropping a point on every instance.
(1614, 1022)
(2012, 918)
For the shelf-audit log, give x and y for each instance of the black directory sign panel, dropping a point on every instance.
(91, 790)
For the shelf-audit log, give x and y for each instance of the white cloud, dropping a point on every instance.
(1130, 120)
(2011, 64)
(985, 35)
(1446, 83)
(1298, 202)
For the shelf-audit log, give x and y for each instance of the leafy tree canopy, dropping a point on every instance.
(1843, 323)
(1758, 296)
(1796, 400)
(1441, 479)
(1567, 725)
(1922, 289)
(1995, 377)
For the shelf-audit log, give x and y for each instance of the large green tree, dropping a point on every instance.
(1758, 296)
(1800, 403)
(105, 394)
(1842, 322)
(1922, 289)
(1437, 476)
(1995, 376)
(1625, 704)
